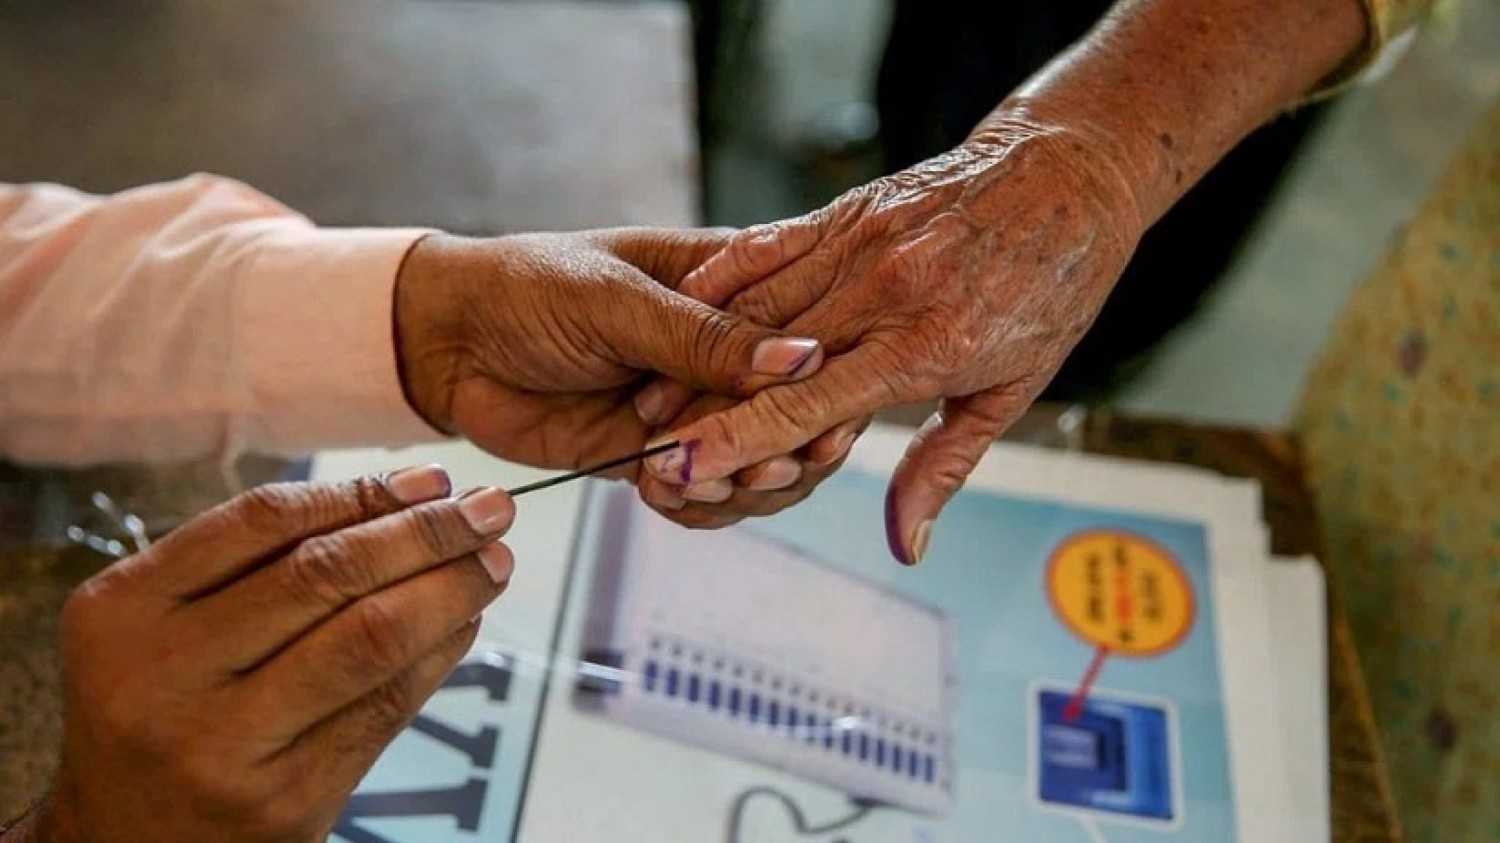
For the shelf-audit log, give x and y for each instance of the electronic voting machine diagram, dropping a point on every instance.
(1056, 669)
(791, 662)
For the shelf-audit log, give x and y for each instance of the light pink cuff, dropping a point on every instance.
(316, 351)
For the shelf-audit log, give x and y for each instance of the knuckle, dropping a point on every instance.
(901, 375)
(951, 349)
(379, 638)
(297, 507)
(760, 304)
(990, 417)
(437, 530)
(721, 429)
(274, 507)
(800, 410)
(389, 705)
(80, 608)
(757, 250)
(904, 265)
(368, 495)
(777, 301)
(773, 304)
(326, 571)
(951, 469)
(711, 337)
(87, 620)
(743, 247)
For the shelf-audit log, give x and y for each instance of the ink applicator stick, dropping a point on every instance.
(593, 469)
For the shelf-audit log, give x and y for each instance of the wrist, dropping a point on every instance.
(1163, 89)
(429, 327)
(1089, 156)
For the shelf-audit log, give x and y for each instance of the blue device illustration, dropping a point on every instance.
(1116, 758)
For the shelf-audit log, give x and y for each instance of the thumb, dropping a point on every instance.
(707, 348)
(938, 461)
(666, 254)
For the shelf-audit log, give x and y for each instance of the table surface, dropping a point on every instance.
(35, 579)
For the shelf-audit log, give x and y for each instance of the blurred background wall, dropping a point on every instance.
(469, 116)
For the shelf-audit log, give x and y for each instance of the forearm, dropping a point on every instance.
(190, 319)
(1162, 89)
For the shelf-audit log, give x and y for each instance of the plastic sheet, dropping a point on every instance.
(1084, 655)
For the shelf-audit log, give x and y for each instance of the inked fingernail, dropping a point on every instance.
(648, 404)
(919, 538)
(778, 473)
(497, 561)
(487, 510)
(709, 491)
(674, 466)
(783, 356)
(418, 483)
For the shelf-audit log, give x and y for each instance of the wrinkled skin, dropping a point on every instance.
(967, 278)
(533, 345)
(762, 489)
(235, 681)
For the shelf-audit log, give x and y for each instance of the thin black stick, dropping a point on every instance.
(593, 469)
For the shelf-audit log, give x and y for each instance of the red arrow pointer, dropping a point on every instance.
(1075, 703)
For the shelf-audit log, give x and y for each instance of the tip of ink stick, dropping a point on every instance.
(593, 469)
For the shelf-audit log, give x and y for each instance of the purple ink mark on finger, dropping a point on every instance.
(893, 530)
(687, 460)
(795, 369)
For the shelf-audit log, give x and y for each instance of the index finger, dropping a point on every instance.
(781, 419)
(750, 256)
(235, 537)
(261, 613)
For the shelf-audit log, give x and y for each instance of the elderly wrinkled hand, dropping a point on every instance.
(967, 278)
(237, 680)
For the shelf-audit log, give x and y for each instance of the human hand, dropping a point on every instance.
(967, 278)
(532, 345)
(235, 681)
(758, 490)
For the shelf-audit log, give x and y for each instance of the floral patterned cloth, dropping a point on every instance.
(1401, 422)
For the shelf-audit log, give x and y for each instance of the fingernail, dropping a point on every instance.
(418, 483)
(648, 403)
(783, 356)
(841, 445)
(919, 538)
(709, 491)
(779, 473)
(674, 466)
(497, 561)
(487, 510)
(664, 497)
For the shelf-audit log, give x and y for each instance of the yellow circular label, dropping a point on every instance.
(1120, 591)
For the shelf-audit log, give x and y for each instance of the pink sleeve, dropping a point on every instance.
(189, 319)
